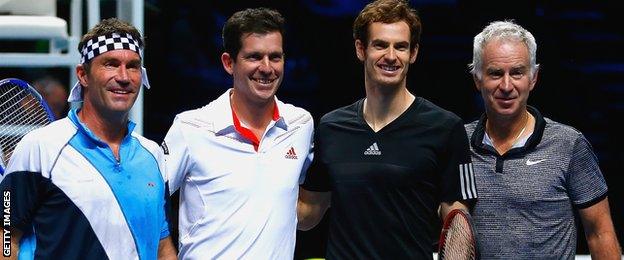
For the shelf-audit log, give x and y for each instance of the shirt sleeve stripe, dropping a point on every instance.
(461, 181)
(468, 182)
(473, 182)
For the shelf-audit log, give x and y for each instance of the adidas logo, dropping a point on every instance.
(373, 150)
(291, 154)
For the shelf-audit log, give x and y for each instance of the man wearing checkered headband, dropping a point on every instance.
(87, 186)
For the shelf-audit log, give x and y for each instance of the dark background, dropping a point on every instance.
(579, 49)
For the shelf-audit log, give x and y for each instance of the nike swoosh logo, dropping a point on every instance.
(529, 162)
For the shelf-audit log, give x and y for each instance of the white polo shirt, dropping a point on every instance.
(236, 202)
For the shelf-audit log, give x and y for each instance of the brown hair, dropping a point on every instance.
(387, 11)
(252, 20)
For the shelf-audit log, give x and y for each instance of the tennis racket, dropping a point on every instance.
(22, 109)
(457, 240)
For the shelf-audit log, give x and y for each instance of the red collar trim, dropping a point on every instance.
(248, 134)
(276, 115)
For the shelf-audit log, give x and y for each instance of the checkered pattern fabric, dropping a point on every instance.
(109, 42)
(102, 44)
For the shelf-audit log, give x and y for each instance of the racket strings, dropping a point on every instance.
(23, 109)
(8, 100)
(7, 89)
(459, 242)
(27, 116)
(20, 113)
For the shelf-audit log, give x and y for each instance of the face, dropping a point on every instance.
(258, 68)
(506, 80)
(113, 82)
(387, 54)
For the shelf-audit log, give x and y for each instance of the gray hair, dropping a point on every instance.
(506, 31)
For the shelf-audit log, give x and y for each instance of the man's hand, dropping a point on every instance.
(446, 207)
(311, 206)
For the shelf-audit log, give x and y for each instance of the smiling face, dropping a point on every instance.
(387, 55)
(258, 68)
(113, 81)
(506, 80)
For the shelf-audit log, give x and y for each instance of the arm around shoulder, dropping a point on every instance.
(311, 206)
(599, 231)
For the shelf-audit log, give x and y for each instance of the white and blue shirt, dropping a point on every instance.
(81, 202)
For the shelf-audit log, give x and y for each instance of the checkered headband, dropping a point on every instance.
(108, 42)
(101, 44)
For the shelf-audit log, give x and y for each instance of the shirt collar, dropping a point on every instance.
(82, 128)
(519, 143)
(224, 117)
(480, 145)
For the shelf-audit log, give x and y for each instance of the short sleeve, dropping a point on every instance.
(586, 185)
(175, 149)
(25, 157)
(23, 184)
(310, 156)
(317, 178)
(165, 228)
(457, 181)
(165, 213)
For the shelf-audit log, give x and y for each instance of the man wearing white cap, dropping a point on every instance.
(86, 186)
